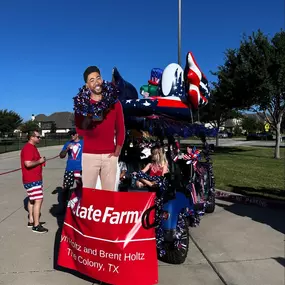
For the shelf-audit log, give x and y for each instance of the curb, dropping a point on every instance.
(249, 200)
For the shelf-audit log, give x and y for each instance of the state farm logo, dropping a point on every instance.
(107, 216)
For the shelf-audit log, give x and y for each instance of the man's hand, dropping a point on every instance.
(69, 147)
(114, 154)
(64, 152)
(42, 160)
(117, 152)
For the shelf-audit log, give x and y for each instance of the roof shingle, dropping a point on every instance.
(63, 120)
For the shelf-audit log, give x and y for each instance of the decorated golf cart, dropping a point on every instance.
(165, 112)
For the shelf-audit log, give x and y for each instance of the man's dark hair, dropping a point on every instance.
(72, 132)
(31, 134)
(89, 70)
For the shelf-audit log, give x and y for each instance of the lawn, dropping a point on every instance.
(250, 170)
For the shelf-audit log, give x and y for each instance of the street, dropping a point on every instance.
(236, 245)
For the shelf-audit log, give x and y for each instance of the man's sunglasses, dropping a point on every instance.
(38, 137)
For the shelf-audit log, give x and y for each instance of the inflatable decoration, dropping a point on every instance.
(126, 90)
(172, 83)
(168, 100)
(196, 83)
(153, 87)
(155, 76)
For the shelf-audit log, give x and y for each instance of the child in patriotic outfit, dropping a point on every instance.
(31, 165)
(158, 167)
(73, 170)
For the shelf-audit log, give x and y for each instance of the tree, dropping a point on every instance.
(251, 125)
(9, 121)
(218, 110)
(237, 130)
(53, 128)
(283, 125)
(29, 126)
(254, 77)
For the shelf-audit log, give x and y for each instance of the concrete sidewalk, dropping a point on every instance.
(237, 245)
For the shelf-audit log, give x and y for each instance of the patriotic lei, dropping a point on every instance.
(84, 107)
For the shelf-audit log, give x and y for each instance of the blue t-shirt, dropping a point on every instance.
(74, 155)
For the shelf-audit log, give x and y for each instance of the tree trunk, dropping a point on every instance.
(217, 140)
(277, 140)
(217, 137)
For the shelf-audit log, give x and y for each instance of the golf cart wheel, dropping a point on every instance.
(211, 205)
(176, 255)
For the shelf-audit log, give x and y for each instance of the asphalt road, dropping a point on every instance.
(236, 245)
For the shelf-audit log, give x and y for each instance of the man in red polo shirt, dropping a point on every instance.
(99, 119)
(32, 163)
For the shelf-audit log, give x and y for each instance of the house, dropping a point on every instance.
(62, 122)
(230, 125)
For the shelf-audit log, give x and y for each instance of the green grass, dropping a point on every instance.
(250, 171)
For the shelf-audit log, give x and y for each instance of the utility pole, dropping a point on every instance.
(179, 32)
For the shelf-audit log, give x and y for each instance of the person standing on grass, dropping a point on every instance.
(32, 164)
(73, 171)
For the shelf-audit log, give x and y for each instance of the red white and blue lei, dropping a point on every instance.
(84, 107)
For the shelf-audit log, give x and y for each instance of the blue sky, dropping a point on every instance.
(46, 45)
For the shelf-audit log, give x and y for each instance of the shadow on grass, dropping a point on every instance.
(270, 217)
(261, 192)
(228, 149)
(248, 151)
(219, 149)
(267, 146)
(57, 211)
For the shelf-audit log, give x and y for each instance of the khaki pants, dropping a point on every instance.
(94, 165)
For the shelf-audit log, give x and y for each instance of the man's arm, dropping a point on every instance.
(32, 164)
(64, 150)
(63, 153)
(27, 156)
(83, 124)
